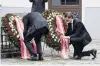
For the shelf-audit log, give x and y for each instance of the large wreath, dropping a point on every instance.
(9, 27)
(52, 39)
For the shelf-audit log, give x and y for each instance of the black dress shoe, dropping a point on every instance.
(94, 53)
(77, 58)
(33, 59)
(40, 57)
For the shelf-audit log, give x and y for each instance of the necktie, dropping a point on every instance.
(69, 31)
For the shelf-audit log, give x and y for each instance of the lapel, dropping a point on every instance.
(74, 21)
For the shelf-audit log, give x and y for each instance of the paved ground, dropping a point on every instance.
(52, 58)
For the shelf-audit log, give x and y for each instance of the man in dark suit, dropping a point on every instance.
(79, 37)
(35, 26)
(38, 5)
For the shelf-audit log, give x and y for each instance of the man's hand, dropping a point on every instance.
(67, 37)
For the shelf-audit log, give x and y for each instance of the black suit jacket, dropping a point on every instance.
(33, 21)
(38, 5)
(79, 30)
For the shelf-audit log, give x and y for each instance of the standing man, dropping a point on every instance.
(35, 26)
(78, 36)
(38, 5)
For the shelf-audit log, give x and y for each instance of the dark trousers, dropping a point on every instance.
(37, 37)
(78, 47)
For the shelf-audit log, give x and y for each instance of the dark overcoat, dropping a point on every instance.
(79, 30)
(33, 21)
(38, 5)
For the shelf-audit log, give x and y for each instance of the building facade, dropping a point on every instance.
(88, 10)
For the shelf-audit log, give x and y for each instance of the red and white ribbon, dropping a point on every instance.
(24, 52)
(64, 45)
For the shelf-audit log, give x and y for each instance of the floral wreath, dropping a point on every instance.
(52, 39)
(9, 27)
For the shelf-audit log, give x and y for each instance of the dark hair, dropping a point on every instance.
(24, 18)
(68, 14)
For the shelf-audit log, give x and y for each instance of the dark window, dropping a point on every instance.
(65, 2)
(69, 2)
